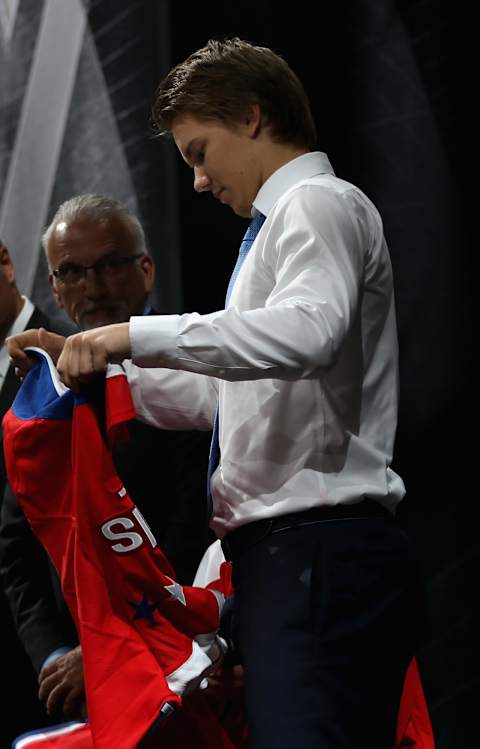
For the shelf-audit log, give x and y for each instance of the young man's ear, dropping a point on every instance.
(253, 120)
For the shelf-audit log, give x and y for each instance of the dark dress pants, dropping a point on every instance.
(325, 622)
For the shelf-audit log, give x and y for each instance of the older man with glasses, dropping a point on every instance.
(99, 266)
(101, 273)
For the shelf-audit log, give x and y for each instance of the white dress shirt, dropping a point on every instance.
(304, 359)
(18, 327)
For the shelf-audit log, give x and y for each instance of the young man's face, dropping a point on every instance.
(224, 159)
(99, 298)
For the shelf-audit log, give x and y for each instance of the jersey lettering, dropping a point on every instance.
(133, 539)
(148, 532)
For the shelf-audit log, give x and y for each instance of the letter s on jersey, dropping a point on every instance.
(134, 539)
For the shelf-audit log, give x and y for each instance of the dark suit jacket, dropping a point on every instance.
(165, 474)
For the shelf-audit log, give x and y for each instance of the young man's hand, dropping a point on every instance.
(86, 354)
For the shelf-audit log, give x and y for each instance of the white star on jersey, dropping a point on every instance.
(176, 591)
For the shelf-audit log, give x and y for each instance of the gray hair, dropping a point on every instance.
(95, 208)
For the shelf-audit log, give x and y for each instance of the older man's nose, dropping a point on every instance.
(94, 283)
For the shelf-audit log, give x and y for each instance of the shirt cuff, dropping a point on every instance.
(55, 655)
(153, 340)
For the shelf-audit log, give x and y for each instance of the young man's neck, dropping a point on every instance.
(278, 155)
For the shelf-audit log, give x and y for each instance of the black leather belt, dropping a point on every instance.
(241, 539)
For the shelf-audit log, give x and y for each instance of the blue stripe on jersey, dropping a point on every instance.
(42, 395)
(41, 733)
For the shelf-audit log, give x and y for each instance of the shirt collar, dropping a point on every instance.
(21, 321)
(302, 167)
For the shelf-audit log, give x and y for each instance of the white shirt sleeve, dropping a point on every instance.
(169, 399)
(314, 252)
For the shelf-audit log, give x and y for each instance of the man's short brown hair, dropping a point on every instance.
(224, 79)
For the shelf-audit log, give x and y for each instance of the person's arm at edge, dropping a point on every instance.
(26, 579)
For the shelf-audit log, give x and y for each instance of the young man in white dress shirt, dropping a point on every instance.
(303, 365)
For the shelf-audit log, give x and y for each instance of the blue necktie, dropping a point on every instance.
(214, 457)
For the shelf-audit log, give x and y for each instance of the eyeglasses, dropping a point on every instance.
(107, 267)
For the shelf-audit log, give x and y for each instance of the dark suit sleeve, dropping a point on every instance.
(31, 586)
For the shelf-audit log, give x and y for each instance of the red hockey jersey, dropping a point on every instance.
(146, 640)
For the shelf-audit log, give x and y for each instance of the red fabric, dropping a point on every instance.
(135, 623)
(414, 730)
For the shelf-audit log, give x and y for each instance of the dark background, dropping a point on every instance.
(390, 91)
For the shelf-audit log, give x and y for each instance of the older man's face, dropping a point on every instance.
(111, 291)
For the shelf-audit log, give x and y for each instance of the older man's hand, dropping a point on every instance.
(62, 688)
(87, 354)
(16, 345)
